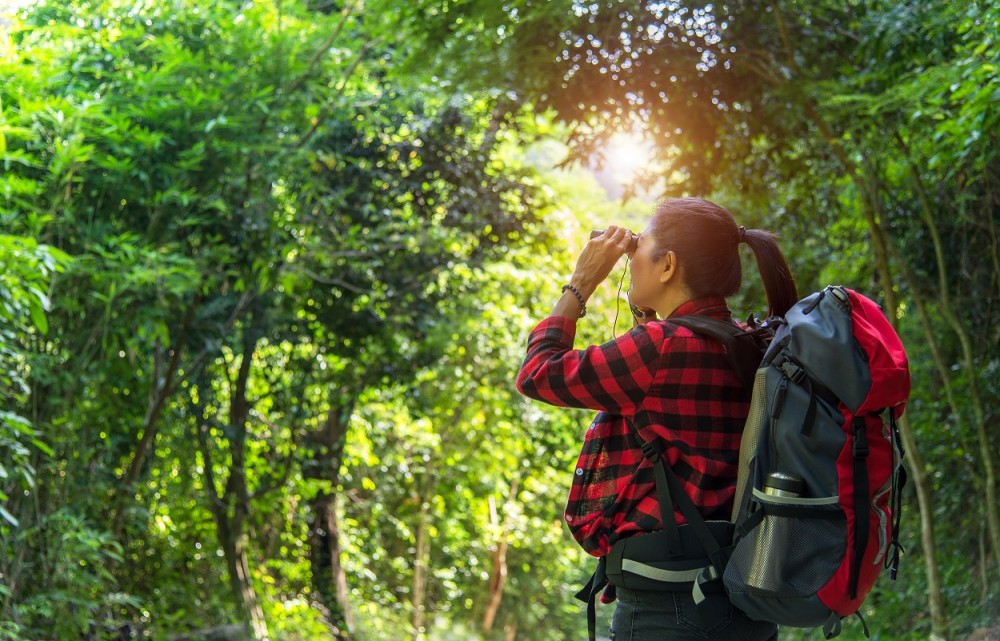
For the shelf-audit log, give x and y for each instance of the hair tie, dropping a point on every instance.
(740, 233)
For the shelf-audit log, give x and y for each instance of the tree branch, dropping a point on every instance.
(336, 282)
(301, 80)
(338, 93)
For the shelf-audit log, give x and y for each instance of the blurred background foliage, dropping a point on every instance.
(268, 269)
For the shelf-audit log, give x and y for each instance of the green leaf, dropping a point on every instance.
(38, 319)
(43, 447)
(7, 516)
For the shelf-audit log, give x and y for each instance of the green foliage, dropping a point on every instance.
(237, 228)
(78, 592)
(240, 188)
(26, 271)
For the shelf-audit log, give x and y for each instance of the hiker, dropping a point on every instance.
(678, 386)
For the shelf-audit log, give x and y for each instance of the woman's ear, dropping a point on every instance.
(668, 266)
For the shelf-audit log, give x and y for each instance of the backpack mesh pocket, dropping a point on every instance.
(787, 556)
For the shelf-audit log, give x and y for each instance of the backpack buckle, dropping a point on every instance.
(860, 448)
(792, 371)
(650, 451)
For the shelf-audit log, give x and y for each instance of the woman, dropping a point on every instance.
(676, 384)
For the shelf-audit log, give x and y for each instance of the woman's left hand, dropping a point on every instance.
(598, 258)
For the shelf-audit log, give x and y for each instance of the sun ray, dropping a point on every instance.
(627, 154)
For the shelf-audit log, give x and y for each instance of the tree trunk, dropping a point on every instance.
(918, 470)
(234, 546)
(420, 561)
(920, 480)
(992, 503)
(328, 577)
(498, 573)
(984, 585)
(237, 492)
(241, 585)
(158, 395)
(231, 509)
(943, 369)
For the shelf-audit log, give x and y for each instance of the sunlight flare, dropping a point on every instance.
(626, 156)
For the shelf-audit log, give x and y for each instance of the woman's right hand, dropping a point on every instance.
(598, 258)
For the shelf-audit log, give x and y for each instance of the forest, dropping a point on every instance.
(269, 266)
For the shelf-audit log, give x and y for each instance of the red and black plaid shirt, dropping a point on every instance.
(676, 385)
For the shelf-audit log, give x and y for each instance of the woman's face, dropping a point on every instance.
(645, 275)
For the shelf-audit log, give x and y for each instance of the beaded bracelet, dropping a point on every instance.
(579, 297)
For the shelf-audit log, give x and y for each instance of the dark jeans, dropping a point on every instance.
(673, 616)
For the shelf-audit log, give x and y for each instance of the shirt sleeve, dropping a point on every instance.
(613, 377)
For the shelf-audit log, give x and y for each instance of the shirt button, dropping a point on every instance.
(579, 472)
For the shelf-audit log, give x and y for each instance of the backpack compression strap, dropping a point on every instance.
(861, 525)
(898, 482)
(589, 593)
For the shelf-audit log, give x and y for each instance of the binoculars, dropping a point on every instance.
(633, 242)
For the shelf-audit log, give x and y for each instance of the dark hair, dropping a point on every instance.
(706, 239)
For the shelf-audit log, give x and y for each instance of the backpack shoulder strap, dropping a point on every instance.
(670, 492)
(742, 347)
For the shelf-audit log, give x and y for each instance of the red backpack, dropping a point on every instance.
(817, 508)
(818, 501)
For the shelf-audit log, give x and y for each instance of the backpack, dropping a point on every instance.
(818, 497)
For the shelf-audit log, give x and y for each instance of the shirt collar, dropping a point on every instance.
(707, 306)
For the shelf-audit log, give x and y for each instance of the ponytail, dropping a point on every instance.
(778, 282)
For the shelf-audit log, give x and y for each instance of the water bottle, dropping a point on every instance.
(781, 484)
(772, 539)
